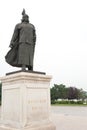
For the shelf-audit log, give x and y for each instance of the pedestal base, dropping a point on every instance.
(26, 102)
(50, 126)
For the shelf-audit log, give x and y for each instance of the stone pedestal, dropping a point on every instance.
(26, 102)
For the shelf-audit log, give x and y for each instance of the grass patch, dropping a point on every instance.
(56, 104)
(69, 103)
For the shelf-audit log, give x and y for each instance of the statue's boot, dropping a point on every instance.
(23, 67)
(30, 68)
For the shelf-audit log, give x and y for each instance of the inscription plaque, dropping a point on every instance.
(37, 104)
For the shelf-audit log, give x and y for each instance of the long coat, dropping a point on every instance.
(23, 44)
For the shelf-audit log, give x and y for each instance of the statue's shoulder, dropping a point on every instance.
(18, 25)
(32, 25)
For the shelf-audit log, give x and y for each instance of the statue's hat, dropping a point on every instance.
(24, 15)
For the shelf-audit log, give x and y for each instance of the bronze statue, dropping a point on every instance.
(22, 44)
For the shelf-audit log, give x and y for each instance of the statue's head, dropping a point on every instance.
(25, 17)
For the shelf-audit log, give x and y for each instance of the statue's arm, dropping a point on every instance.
(14, 39)
(34, 36)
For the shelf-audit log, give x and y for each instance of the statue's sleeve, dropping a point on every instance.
(14, 39)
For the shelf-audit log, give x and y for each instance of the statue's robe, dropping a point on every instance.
(12, 56)
(23, 44)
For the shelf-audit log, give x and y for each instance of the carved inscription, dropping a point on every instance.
(37, 104)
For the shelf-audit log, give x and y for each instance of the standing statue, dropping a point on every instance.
(22, 44)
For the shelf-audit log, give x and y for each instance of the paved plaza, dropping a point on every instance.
(69, 118)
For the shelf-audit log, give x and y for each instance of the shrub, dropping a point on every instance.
(66, 102)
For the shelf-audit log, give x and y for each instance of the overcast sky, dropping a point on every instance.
(61, 28)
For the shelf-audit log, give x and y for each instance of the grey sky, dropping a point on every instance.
(61, 28)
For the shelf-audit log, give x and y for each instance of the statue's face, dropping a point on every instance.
(25, 18)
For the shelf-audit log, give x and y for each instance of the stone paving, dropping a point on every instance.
(69, 118)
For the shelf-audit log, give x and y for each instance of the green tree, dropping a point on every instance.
(58, 92)
(61, 91)
(53, 94)
(83, 95)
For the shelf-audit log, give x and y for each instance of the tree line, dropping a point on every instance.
(69, 93)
